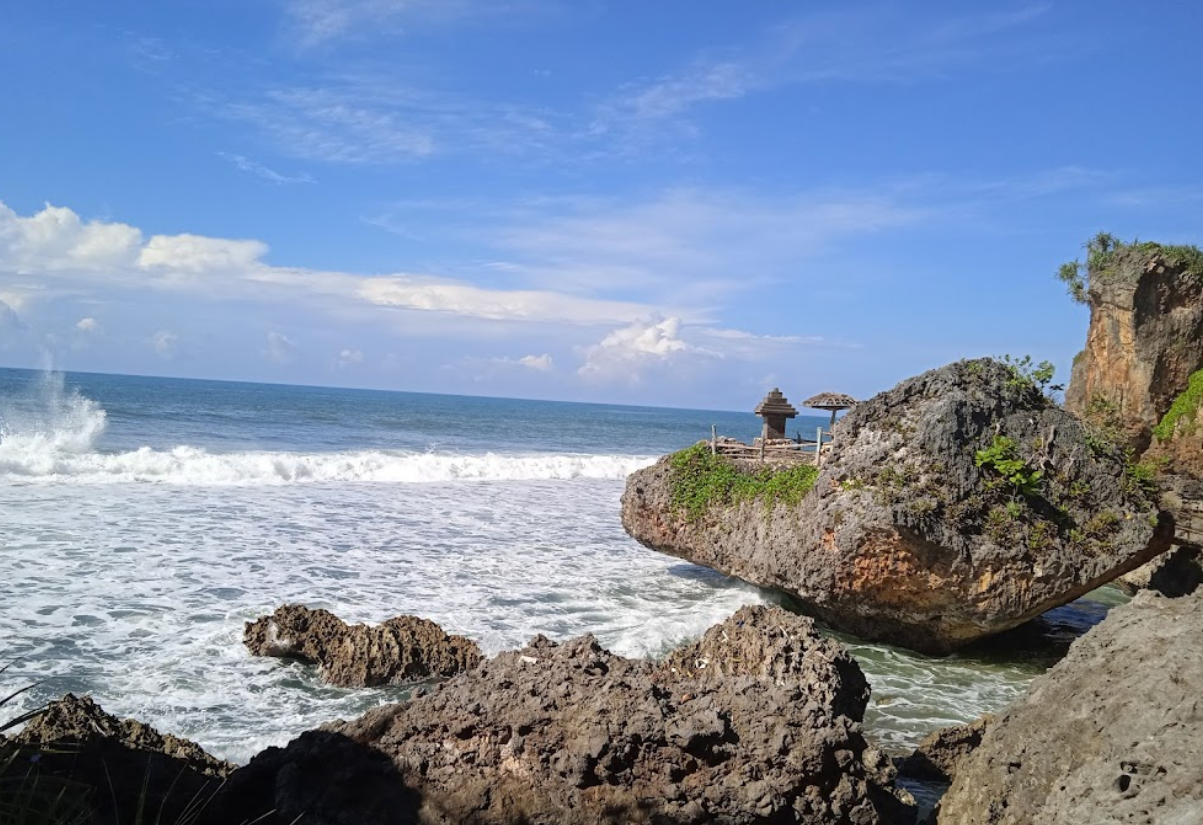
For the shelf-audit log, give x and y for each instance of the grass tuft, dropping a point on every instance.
(700, 481)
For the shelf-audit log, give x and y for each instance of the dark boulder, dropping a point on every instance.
(402, 649)
(1111, 734)
(77, 763)
(958, 504)
(756, 723)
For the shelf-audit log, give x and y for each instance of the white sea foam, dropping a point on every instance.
(61, 454)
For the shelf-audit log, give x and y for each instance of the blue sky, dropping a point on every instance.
(673, 203)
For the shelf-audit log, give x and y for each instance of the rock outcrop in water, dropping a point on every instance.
(402, 649)
(940, 753)
(756, 723)
(956, 505)
(1111, 734)
(76, 763)
(1145, 337)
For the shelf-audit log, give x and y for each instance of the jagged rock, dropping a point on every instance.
(1176, 573)
(1110, 734)
(402, 649)
(1144, 341)
(77, 763)
(904, 538)
(756, 723)
(938, 755)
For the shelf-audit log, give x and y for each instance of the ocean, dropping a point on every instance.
(144, 520)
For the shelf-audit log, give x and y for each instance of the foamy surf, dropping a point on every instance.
(43, 457)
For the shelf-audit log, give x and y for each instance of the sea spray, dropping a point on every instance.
(46, 428)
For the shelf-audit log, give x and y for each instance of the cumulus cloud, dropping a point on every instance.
(60, 250)
(280, 349)
(87, 325)
(165, 343)
(626, 352)
(349, 357)
(57, 239)
(539, 363)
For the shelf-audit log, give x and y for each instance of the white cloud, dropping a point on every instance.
(56, 239)
(87, 325)
(522, 305)
(349, 357)
(626, 353)
(280, 348)
(165, 343)
(61, 249)
(539, 363)
(259, 170)
(320, 22)
(197, 253)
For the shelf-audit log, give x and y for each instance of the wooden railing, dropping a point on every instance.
(778, 449)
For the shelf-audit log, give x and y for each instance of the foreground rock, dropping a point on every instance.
(402, 649)
(1144, 341)
(1111, 734)
(76, 763)
(756, 723)
(908, 535)
(938, 755)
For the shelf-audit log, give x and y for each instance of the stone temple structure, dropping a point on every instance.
(774, 409)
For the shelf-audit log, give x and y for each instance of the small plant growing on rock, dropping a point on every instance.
(1184, 410)
(1002, 457)
(1025, 374)
(1105, 252)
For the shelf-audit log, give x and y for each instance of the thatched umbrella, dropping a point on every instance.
(834, 401)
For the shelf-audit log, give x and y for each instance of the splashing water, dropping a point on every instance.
(48, 426)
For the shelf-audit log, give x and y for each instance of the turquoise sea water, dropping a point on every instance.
(143, 520)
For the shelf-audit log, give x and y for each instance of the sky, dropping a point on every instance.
(680, 203)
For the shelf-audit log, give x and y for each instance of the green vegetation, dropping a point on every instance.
(1110, 259)
(1027, 375)
(1002, 456)
(700, 480)
(1185, 406)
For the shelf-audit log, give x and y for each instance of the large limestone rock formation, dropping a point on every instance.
(904, 537)
(76, 763)
(1144, 341)
(402, 649)
(1112, 734)
(758, 722)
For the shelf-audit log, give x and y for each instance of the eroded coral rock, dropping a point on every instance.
(958, 504)
(402, 649)
(758, 722)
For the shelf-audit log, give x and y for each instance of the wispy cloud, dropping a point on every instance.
(322, 22)
(862, 45)
(266, 173)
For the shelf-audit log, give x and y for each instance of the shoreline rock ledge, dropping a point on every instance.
(758, 722)
(956, 505)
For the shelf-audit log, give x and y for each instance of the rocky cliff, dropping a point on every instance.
(1109, 735)
(958, 504)
(1145, 337)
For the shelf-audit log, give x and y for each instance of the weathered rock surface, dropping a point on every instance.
(756, 723)
(1111, 734)
(1144, 341)
(78, 763)
(904, 538)
(402, 649)
(938, 755)
(1176, 573)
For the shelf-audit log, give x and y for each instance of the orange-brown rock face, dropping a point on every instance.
(906, 536)
(1144, 341)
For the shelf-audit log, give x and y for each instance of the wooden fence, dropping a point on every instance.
(780, 450)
